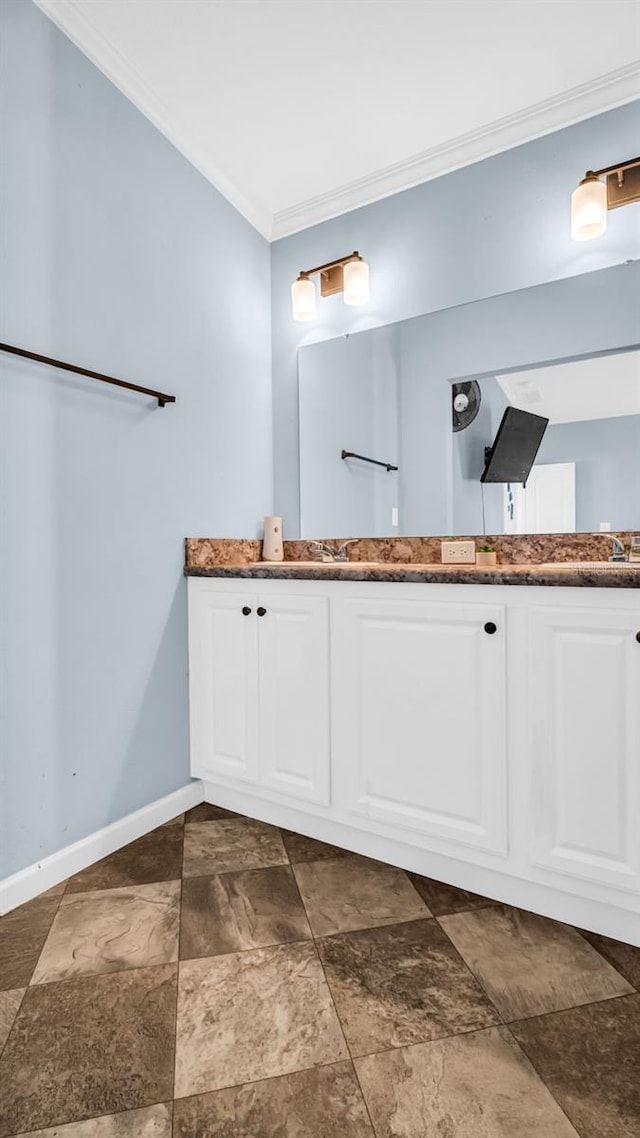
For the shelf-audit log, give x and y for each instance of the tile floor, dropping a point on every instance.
(221, 978)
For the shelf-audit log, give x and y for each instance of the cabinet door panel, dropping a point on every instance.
(223, 656)
(294, 696)
(419, 706)
(585, 761)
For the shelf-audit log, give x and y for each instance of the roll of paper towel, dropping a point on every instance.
(272, 549)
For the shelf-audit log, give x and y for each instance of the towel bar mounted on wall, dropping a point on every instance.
(374, 461)
(159, 395)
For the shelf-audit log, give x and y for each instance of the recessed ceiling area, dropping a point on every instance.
(297, 110)
(603, 387)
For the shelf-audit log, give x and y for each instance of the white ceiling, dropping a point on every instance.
(599, 388)
(298, 110)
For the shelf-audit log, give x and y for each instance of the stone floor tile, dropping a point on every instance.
(356, 893)
(9, 1006)
(301, 848)
(470, 1086)
(324, 1102)
(625, 958)
(155, 857)
(150, 1122)
(87, 1047)
(253, 1015)
(589, 1058)
(443, 899)
(231, 912)
(231, 843)
(529, 965)
(207, 812)
(112, 929)
(401, 984)
(23, 932)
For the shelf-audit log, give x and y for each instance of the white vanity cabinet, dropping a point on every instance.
(223, 683)
(293, 643)
(259, 688)
(419, 717)
(484, 735)
(584, 713)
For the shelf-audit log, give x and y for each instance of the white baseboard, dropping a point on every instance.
(608, 919)
(43, 875)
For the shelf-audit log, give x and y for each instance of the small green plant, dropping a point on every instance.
(486, 549)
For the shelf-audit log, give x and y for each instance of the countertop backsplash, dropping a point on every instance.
(512, 549)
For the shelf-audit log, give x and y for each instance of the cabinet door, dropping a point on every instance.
(294, 696)
(418, 699)
(585, 757)
(223, 658)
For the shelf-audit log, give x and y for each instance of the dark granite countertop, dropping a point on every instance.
(622, 576)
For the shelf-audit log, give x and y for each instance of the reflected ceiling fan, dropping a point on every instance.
(465, 403)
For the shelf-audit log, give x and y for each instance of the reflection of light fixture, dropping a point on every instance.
(349, 275)
(592, 198)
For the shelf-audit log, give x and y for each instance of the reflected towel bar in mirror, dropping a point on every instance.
(374, 461)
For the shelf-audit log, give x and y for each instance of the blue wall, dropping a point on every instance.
(349, 395)
(497, 226)
(116, 254)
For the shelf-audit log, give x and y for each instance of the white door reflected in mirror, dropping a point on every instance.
(546, 505)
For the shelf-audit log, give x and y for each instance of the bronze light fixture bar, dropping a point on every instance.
(622, 186)
(161, 396)
(593, 197)
(374, 461)
(331, 274)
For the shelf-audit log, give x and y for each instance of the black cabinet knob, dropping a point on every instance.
(246, 611)
(638, 637)
(490, 627)
(261, 611)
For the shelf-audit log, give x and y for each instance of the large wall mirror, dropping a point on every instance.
(395, 422)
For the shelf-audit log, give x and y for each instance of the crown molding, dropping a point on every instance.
(73, 19)
(592, 98)
(599, 95)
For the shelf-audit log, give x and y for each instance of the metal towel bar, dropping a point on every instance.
(161, 396)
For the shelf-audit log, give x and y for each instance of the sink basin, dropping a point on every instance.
(416, 566)
(332, 564)
(600, 566)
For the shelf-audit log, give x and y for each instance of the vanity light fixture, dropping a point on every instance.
(348, 275)
(593, 197)
(303, 298)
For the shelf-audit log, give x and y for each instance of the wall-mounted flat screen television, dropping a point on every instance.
(515, 447)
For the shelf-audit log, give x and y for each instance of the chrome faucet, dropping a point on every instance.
(618, 551)
(328, 555)
(322, 552)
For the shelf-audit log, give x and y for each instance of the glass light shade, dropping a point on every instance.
(356, 282)
(303, 299)
(589, 210)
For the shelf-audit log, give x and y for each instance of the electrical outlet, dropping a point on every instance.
(458, 552)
